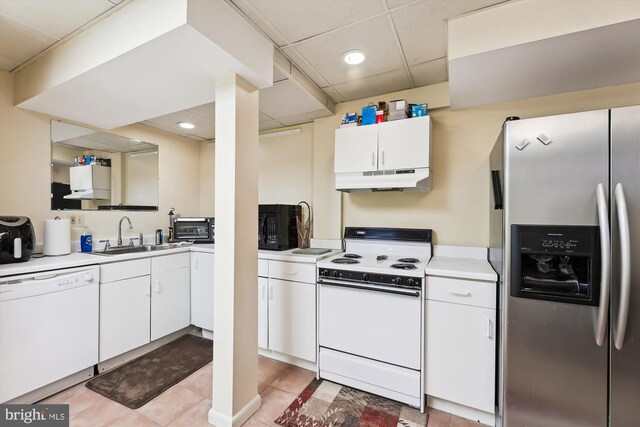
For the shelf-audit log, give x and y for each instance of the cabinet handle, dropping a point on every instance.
(489, 329)
(156, 286)
(263, 291)
(197, 265)
(291, 272)
(270, 292)
(383, 158)
(373, 157)
(147, 292)
(460, 294)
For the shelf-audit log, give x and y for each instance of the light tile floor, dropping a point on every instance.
(187, 403)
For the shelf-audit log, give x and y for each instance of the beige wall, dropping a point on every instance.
(25, 151)
(207, 179)
(286, 167)
(458, 206)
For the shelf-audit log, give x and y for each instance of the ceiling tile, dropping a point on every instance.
(374, 85)
(7, 64)
(271, 124)
(206, 111)
(286, 99)
(421, 27)
(374, 37)
(254, 15)
(303, 118)
(305, 66)
(264, 118)
(55, 18)
(397, 3)
(21, 43)
(333, 94)
(297, 20)
(429, 73)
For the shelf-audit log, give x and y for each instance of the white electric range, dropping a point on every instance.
(371, 312)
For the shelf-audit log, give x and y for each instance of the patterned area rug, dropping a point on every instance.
(325, 404)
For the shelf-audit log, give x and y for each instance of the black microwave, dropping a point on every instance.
(192, 229)
(277, 229)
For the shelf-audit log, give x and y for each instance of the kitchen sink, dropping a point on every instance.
(119, 250)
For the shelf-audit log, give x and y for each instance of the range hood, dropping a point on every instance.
(389, 180)
(91, 194)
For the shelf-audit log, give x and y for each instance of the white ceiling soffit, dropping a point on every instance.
(145, 60)
(577, 46)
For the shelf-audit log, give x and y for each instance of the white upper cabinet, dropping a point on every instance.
(403, 144)
(356, 149)
(386, 156)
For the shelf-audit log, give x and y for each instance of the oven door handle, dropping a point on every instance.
(371, 288)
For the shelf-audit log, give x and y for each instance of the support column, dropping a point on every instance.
(235, 356)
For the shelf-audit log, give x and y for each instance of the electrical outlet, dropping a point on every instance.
(76, 220)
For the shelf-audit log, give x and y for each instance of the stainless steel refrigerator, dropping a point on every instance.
(565, 240)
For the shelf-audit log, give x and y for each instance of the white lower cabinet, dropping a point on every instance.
(287, 308)
(292, 318)
(125, 310)
(170, 294)
(202, 265)
(142, 300)
(461, 342)
(263, 312)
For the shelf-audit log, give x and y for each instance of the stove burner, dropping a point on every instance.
(345, 261)
(404, 266)
(381, 257)
(409, 260)
(354, 256)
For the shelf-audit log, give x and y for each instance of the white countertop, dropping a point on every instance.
(78, 259)
(461, 263)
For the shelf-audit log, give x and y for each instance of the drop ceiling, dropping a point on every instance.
(404, 42)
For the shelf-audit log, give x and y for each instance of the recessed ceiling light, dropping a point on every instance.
(353, 57)
(186, 125)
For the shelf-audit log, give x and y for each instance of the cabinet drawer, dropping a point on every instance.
(124, 270)
(292, 271)
(169, 262)
(468, 292)
(263, 268)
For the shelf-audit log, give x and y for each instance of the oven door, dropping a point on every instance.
(380, 323)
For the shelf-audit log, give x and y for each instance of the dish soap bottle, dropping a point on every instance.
(86, 241)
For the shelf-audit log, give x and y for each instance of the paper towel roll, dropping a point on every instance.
(57, 237)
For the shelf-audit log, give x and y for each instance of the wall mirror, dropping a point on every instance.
(94, 170)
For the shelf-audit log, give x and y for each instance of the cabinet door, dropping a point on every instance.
(356, 149)
(404, 144)
(263, 312)
(170, 302)
(460, 348)
(292, 318)
(124, 316)
(202, 290)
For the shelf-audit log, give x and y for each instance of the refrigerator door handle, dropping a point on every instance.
(625, 266)
(605, 254)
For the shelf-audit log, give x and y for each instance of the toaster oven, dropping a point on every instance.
(192, 229)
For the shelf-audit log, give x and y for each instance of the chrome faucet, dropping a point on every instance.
(120, 229)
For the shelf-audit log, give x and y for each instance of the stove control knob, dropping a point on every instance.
(397, 281)
(324, 272)
(365, 277)
(336, 273)
(411, 282)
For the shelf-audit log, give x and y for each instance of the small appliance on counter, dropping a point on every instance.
(277, 228)
(17, 239)
(197, 230)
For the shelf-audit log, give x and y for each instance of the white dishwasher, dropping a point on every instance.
(48, 331)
